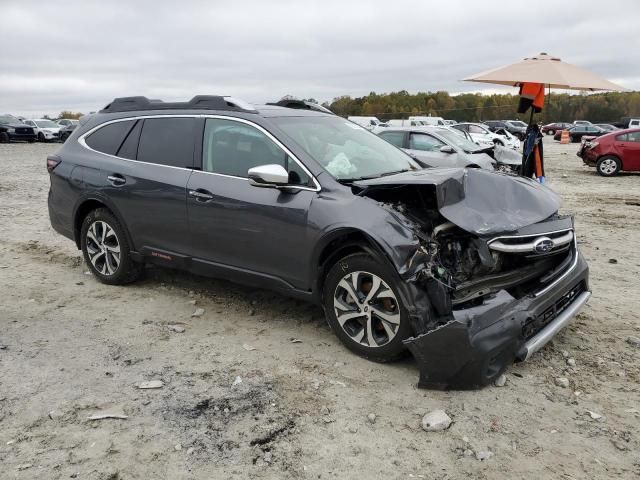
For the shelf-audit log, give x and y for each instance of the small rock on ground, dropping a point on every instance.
(501, 381)
(436, 421)
(176, 328)
(198, 312)
(562, 382)
(634, 341)
(484, 455)
(371, 417)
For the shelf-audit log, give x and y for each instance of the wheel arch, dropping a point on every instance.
(89, 204)
(338, 244)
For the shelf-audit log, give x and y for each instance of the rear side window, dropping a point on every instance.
(167, 141)
(108, 139)
(394, 138)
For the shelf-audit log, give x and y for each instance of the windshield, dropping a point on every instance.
(46, 124)
(517, 123)
(345, 150)
(458, 140)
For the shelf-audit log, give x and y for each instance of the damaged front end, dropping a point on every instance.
(495, 275)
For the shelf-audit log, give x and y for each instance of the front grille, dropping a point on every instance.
(534, 325)
(528, 244)
(24, 131)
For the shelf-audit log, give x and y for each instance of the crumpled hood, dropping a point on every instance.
(480, 202)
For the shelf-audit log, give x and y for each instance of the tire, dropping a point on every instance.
(364, 325)
(107, 254)
(41, 137)
(4, 137)
(608, 166)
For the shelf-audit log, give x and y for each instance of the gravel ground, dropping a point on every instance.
(257, 386)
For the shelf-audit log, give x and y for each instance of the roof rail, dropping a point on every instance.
(301, 104)
(199, 102)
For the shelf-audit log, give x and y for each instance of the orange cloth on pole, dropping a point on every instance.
(531, 95)
(538, 162)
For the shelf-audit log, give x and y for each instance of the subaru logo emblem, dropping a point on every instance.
(543, 245)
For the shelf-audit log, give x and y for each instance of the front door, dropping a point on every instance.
(242, 229)
(630, 149)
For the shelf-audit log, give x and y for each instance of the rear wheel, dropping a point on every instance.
(106, 249)
(364, 309)
(4, 137)
(608, 166)
(41, 137)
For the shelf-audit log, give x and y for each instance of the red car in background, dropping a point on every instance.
(613, 152)
(552, 128)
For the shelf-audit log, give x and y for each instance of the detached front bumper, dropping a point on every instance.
(480, 342)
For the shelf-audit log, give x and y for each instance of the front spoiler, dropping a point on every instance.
(474, 348)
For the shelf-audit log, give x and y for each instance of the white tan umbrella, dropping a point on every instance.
(548, 70)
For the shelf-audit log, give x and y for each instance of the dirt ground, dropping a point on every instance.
(258, 386)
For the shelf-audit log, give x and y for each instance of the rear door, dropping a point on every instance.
(144, 173)
(238, 229)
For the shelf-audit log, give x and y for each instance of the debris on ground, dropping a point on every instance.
(248, 347)
(237, 381)
(295, 340)
(436, 421)
(198, 312)
(484, 455)
(150, 384)
(115, 411)
(594, 415)
(562, 382)
(371, 417)
(634, 341)
(176, 328)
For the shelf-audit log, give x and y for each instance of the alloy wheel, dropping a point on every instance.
(608, 166)
(367, 309)
(103, 248)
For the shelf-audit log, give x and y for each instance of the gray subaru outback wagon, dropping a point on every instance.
(469, 270)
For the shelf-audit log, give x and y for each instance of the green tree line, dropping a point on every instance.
(473, 107)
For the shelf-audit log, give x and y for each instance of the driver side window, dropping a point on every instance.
(424, 142)
(232, 148)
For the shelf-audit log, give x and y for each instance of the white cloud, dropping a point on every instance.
(78, 55)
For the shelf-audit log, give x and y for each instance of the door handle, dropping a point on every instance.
(117, 180)
(201, 195)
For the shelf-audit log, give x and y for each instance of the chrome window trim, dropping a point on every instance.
(83, 143)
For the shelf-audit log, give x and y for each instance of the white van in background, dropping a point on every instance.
(367, 122)
(430, 120)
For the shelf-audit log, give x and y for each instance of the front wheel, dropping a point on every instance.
(41, 137)
(364, 309)
(106, 249)
(608, 166)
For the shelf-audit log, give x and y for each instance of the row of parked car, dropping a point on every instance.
(38, 129)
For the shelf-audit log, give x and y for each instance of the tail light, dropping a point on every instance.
(52, 162)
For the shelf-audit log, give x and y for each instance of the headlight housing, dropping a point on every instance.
(11, 130)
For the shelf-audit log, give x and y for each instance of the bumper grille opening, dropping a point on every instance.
(534, 325)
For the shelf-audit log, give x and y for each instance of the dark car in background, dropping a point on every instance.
(470, 270)
(66, 131)
(612, 153)
(12, 129)
(578, 131)
(514, 127)
(553, 128)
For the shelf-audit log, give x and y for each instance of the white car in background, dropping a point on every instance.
(367, 122)
(485, 137)
(46, 130)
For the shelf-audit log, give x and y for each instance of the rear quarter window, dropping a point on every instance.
(108, 139)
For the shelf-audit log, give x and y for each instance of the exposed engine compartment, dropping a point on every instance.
(459, 269)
